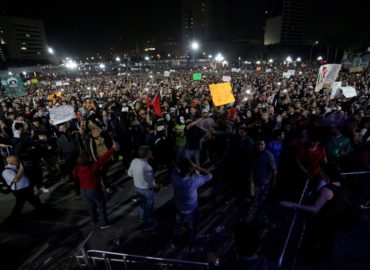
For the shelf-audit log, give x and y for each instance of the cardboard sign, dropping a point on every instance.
(61, 114)
(221, 93)
(197, 76)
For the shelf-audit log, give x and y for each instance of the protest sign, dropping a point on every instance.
(221, 93)
(61, 114)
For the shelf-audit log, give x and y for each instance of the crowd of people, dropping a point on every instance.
(277, 133)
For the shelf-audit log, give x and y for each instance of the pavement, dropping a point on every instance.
(49, 240)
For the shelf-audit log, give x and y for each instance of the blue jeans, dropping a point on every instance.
(193, 155)
(95, 199)
(191, 220)
(146, 206)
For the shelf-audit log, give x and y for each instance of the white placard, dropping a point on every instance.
(226, 78)
(166, 73)
(335, 89)
(61, 114)
(349, 91)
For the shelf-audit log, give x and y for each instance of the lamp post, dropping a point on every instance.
(312, 44)
(194, 46)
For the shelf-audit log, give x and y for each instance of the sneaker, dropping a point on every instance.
(105, 226)
(44, 190)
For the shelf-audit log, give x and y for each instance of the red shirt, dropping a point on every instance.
(311, 159)
(88, 175)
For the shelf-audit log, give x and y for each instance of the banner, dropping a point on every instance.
(61, 114)
(349, 91)
(226, 78)
(327, 76)
(221, 93)
(197, 76)
(13, 86)
(286, 75)
(291, 72)
(335, 89)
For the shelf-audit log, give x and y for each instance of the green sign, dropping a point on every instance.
(197, 76)
(13, 86)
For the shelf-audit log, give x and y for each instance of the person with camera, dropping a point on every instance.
(20, 185)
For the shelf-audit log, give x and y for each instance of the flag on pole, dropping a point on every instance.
(156, 103)
(327, 76)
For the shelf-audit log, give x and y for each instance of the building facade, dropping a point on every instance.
(287, 24)
(22, 40)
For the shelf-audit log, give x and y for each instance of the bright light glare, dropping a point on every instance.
(319, 58)
(70, 64)
(271, 60)
(299, 59)
(118, 59)
(146, 58)
(50, 50)
(219, 57)
(102, 66)
(10, 73)
(289, 59)
(210, 56)
(195, 45)
(258, 62)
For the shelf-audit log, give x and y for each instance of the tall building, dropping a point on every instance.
(22, 40)
(287, 23)
(202, 20)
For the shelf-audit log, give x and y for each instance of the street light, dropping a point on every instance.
(258, 62)
(50, 50)
(195, 45)
(118, 59)
(319, 58)
(146, 58)
(313, 44)
(289, 59)
(299, 59)
(210, 56)
(271, 61)
(219, 57)
(102, 66)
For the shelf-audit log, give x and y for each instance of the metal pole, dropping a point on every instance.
(281, 258)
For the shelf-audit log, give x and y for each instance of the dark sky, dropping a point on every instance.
(75, 28)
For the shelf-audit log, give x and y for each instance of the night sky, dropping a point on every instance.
(75, 28)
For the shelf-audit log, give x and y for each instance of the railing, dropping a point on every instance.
(98, 259)
(283, 254)
(287, 239)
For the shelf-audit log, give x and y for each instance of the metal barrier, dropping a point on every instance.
(89, 259)
(293, 223)
(287, 239)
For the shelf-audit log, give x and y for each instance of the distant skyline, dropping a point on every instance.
(82, 29)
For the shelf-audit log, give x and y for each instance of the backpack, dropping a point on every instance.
(347, 215)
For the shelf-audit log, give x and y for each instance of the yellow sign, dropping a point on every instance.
(34, 81)
(221, 93)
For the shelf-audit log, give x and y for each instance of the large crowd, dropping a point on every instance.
(277, 133)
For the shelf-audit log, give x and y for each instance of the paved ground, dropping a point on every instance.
(49, 240)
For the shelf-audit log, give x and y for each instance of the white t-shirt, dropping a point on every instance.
(142, 173)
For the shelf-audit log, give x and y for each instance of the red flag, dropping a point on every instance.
(156, 103)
